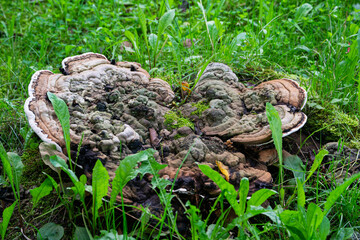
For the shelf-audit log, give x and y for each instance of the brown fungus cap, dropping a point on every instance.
(238, 113)
(120, 110)
(109, 103)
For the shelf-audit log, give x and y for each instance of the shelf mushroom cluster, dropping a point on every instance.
(115, 104)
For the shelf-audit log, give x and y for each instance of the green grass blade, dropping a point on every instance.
(6, 216)
(335, 194)
(62, 113)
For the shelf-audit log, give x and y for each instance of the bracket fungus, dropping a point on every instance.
(118, 104)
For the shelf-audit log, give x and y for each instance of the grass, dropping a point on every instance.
(315, 41)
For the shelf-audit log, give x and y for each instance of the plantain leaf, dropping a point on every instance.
(318, 159)
(6, 164)
(228, 189)
(335, 194)
(17, 168)
(81, 233)
(314, 217)
(125, 172)
(243, 193)
(58, 162)
(165, 21)
(295, 164)
(301, 193)
(42, 191)
(142, 20)
(276, 131)
(150, 166)
(54, 183)
(62, 113)
(6, 216)
(260, 196)
(50, 231)
(324, 229)
(275, 126)
(153, 39)
(132, 39)
(100, 185)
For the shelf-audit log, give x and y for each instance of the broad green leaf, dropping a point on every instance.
(54, 183)
(260, 196)
(295, 164)
(62, 113)
(80, 189)
(239, 39)
(50, 231)
(149, 166)
(291, 220)
(296, 233)
(125, 172)
(132, 39)
(276, 131)
(314, 217)
(6, 216)
(318, 159)
(289, 217)
(243, 193)
(47, 150)
(152, 40)
(6, 164)
(301, 193)
(160, 183)
(213, 31)
(42, 191)
(81, 234)
(273, 215)
(165, 21)
(17, 168)
(100, 185)
(303, 10)
(342, 234)
(324, 229)
(58, 162)
(228, 189)
(358, 43)
(335, 194)
(142, 20)
(112, 235)
(3, 181)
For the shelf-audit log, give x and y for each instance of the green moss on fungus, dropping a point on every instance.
(200, 108)
(175, 120)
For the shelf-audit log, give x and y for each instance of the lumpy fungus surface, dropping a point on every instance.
(120, 109)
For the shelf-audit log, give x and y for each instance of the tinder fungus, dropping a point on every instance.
(120, 110)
